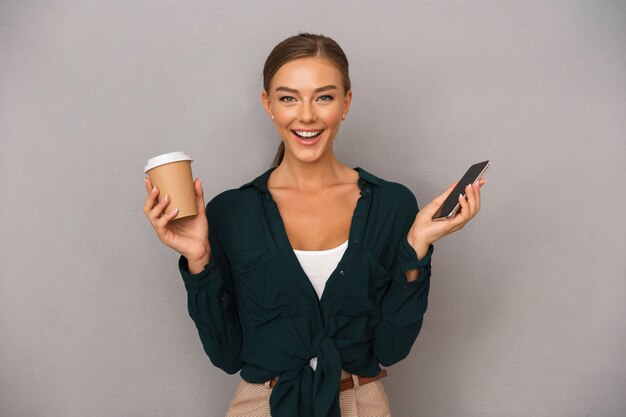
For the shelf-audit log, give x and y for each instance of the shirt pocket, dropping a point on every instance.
(368, 283)
(359, 309)
(261, 288)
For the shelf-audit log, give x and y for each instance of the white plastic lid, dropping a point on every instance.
(166, 158)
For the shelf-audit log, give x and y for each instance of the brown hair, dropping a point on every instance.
(301, 46)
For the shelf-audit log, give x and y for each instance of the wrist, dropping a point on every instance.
(420, 246)
(205, 255)
(196, 264)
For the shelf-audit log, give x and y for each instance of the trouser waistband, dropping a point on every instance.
(348, 380)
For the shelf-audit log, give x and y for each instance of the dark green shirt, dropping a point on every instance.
(256, 310)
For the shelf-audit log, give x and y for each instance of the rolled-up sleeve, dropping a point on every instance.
(212, 306)
(404, 303)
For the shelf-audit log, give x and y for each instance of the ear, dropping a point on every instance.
(266, 102)
(347, 102)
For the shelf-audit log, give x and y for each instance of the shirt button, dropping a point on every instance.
(367, 190)
(404, 288)
(362, 182)
(355, 241)
(224, 299)
(341, 272)
(211, 270)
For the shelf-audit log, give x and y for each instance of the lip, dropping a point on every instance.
(308, 142)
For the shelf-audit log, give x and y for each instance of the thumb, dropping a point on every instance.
(442, 197)
(197, 185)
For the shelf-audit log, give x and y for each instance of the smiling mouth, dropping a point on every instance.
(307, 135)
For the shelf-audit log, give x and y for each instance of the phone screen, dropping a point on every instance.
(451, 204)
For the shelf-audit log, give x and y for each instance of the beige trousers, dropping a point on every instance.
(368, 400)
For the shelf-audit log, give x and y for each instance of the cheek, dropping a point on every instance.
(283, 118)
(333, 120)
(331, 114)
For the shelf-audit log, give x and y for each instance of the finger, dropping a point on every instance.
(148, 184)
(461, 217)
(477, 198)
(199, 197)
(156, 211)
(432, 207)
(150, 200)
(471, 199)
(162, 222)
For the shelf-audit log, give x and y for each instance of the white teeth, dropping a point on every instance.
(307, 134)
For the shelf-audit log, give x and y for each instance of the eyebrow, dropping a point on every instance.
(317, 90)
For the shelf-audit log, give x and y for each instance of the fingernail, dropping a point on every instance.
(154, 188)
(166, 197)
(174, 212)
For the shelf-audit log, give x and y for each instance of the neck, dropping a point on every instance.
(308, 176)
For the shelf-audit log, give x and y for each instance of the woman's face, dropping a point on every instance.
(307, 102)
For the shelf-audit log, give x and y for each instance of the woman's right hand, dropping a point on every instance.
(188, 236)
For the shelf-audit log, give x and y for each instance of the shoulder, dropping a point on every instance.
(241, 201)
(395, 194)
(394, 207)
(229, 200)
(398, 192)
(231, 212)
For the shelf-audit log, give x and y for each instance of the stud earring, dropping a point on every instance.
(272, 116)
(343, 117)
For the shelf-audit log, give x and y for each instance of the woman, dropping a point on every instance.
(310, 276)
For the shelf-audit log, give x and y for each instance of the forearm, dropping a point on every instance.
(212, 306)
(412, 274)
(403, 310)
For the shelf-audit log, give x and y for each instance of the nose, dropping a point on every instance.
(307, 113)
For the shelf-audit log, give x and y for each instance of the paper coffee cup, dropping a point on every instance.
(171, 173)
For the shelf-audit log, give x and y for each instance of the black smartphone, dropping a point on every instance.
(451, 204)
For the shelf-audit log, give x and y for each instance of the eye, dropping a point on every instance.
(325, 98)
(287, 99)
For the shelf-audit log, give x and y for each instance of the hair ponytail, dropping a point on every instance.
(280, 153)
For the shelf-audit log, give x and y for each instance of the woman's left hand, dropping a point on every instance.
(425, 230)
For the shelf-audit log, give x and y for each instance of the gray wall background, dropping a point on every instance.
(527, 301)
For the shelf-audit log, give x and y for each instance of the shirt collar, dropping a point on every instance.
(260, 182)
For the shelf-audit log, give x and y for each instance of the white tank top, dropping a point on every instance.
(318, 265)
